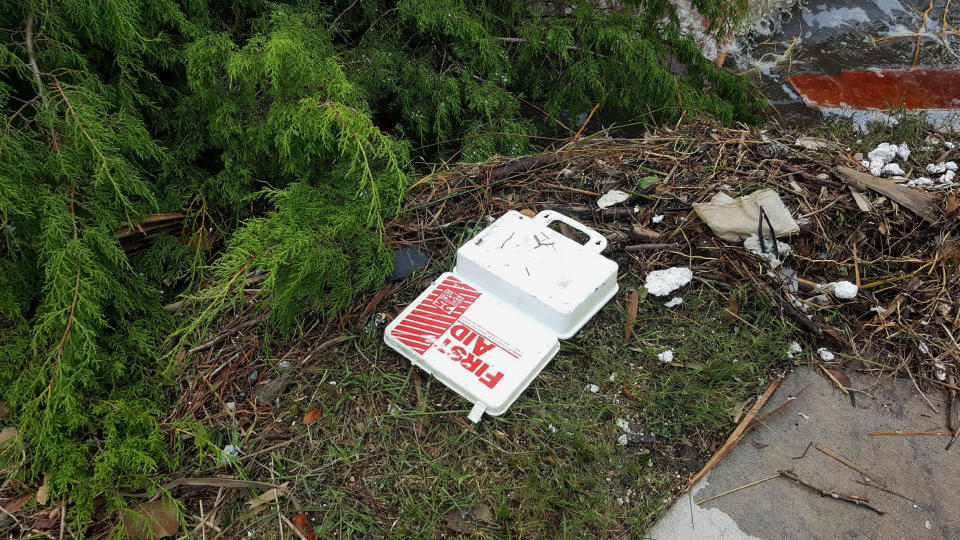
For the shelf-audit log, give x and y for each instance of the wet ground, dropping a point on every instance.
(831, 36)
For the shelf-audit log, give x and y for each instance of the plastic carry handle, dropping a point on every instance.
(597, 242)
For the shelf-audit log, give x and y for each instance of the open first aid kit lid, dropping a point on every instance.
(484, 350)
(488, 328)
(553, 279)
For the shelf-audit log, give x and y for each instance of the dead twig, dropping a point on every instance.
(737, 434)
(866, 474)
(227, 333)
(642, 247)
(633, 304)
(887, 490)
(31, 58)
(220, 482)
(745, 486)
(805, 450)
(907, 433)
(372, 306)
(778, 409)
(852, 499)
(952, 440)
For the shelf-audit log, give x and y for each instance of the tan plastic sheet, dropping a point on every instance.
(736, 219)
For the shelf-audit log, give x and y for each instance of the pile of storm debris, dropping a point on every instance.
(866, 247)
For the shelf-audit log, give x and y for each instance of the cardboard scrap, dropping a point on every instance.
(736, 219)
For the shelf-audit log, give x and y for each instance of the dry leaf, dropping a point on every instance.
(734, 308)
(951, 206)
(841, 377)
(4, 409)
(8, 434)
(738, 409)
(455, 522)
(528, 212)
(268, 496)
(303, 525)
(863, 203)
(12, 505)
(482, 512)
(311, 417)
(148, 521)
(633, 305)
(644, 233)
(270, 389)
(44, 492)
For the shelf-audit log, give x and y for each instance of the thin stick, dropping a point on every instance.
(856, 266)
(805, 450)
(203, 519)
(326, 345)
(867, 474)
(573, 189)
(220, 482)
(63, 518)
(587, 121)
(907, 433)
(225, 334)
(737, 434)
(852, 499)
(778, 409)
(953, 440)
(888, 490)
(342, 13)
(924, 396)
(32, 61)
(744, 321)
(641, 247)
(834, 379)
(718, 495)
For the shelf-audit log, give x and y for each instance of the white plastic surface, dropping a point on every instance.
(484, 350)
(548, 277)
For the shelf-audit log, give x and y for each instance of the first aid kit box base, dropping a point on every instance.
(553, 279)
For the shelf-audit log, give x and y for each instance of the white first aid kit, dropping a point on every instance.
(488, 328)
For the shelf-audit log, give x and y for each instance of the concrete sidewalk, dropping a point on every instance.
(916, 467)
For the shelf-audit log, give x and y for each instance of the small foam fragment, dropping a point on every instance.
(664, 282)
(612, 197)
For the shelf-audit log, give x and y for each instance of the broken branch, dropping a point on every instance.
(852, 499)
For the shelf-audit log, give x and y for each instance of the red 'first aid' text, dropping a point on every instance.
(472, 361)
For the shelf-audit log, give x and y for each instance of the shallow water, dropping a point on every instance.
(831, 36)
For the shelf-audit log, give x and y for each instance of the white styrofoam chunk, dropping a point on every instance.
(664, 282)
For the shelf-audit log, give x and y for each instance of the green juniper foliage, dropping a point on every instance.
(287, 132)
